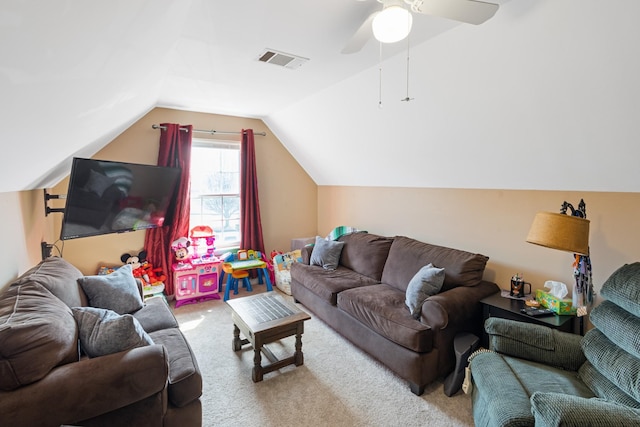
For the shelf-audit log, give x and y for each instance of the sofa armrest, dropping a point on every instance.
(499, 393)
(535, 342)
(456, 305)
(81, 390)
(306, 254)
(556, 409)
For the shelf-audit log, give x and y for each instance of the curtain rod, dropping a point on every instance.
(212, 131)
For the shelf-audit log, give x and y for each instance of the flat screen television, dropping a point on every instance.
(116, 197)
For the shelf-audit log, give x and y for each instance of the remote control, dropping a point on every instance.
(535, 312)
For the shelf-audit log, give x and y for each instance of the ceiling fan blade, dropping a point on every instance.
(469, 11)
(361, 36)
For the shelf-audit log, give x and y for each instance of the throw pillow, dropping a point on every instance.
(326, 253)
(426, 282)
(103, 332)
(117, 291)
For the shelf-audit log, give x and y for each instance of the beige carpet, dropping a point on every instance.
(338, 385)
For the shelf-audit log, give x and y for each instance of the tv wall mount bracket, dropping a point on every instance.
(44, 246)
(47, 197)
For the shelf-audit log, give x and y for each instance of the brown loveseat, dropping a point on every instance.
(46, 380)
(363, 299)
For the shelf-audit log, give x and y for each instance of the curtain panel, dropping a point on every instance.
(174, 151)
(251, 225)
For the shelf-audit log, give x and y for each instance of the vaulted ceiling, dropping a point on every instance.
(541, 96)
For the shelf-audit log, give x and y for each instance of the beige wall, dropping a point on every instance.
(22, 228)
(287, 194)
(491, 222)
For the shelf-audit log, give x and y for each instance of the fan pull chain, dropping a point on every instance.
(380, 77)
(406, 98)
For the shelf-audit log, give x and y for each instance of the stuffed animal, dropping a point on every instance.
(143, 269)
(154, 275)
(274, 253)
(137, 262)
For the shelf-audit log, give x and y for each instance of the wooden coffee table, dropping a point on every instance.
(262, 319)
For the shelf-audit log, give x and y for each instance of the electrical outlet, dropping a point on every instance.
(46, 249)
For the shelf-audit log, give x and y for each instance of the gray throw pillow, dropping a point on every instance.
(103, 332)
(326, 253)
(426, 282)
(117, 291)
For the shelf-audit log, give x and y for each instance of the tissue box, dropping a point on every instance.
(555, 304)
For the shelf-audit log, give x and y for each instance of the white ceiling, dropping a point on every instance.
(216, 68)
(542, 96)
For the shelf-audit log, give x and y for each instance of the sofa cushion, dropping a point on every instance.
(326, 253)
(116, 291)
(536, 376)
(427, 281)
(155, 315)
(407, 256)
(103, 331)
(59, 277)
(37, 333)
(560, 409)
(623, 288)
(382, 308)
(327, 283)
(615, 322)
(603, 388)
(620, 367)
(365, 253)
(506, 396)
(185, 380)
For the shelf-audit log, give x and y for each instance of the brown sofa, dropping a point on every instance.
(47, 380)
(363, 299)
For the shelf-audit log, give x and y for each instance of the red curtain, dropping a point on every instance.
(251, 226)
(175, 151)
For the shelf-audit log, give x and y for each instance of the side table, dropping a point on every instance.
(496, 305)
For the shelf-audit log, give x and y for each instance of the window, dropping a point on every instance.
(215, 189)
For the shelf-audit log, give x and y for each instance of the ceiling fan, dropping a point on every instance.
(393, 22)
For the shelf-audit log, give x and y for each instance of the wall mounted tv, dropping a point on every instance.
(115, 197)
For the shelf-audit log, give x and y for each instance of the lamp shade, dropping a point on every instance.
(392, 24)
(560, 231)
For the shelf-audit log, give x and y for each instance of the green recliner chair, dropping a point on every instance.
(537, 376)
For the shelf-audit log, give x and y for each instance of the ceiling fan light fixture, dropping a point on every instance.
(392, 24)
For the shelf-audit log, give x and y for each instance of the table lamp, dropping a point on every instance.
(569, 233)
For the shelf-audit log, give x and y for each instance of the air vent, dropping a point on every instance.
(283, 59)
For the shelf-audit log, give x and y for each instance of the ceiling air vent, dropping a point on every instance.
(283, 59)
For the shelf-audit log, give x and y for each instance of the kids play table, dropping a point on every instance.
(250, 264)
